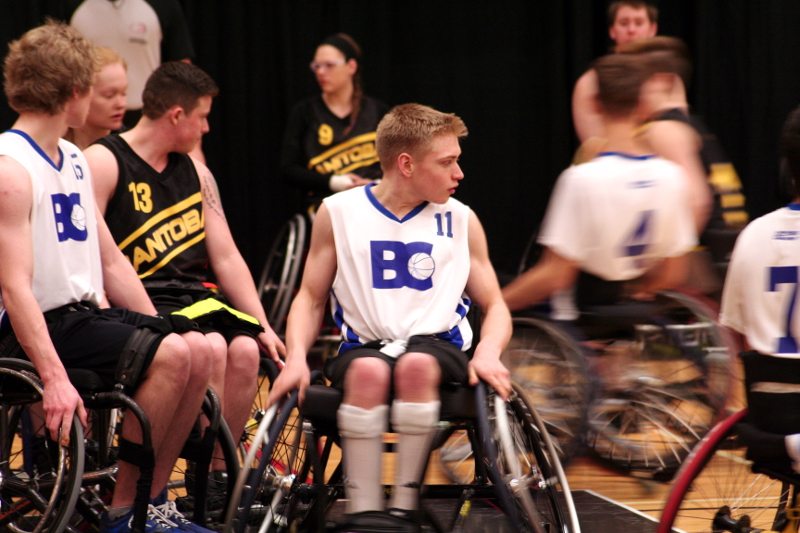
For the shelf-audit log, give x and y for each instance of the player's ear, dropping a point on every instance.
(405, 163)
(174, 114)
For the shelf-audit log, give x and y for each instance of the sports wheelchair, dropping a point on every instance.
(739, 478)
(279, 277)
(292, 480)
(639, 383)
(48, 487)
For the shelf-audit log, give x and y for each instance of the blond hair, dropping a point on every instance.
(46, 66)
(108, 56)
(410, 128)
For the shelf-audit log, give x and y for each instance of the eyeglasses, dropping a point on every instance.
(327, 65)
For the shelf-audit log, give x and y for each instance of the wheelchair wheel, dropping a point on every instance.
(662, 387)
(274, 458)
(280, 273)
(203, 498)
(531, 482)
(39, 480)
(551, 370)
(717, 491)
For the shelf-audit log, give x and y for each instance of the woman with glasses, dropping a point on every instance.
(329, 144)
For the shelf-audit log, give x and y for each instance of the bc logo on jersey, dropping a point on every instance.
(70, 217)
(396, 265)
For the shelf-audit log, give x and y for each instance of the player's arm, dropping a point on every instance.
(679, 143)
(120, 281)
(60, 399)
(483, 288)
(308, 306)
(585, 117)
(552, 273)
(105, 174)
(669, 273)
(229, 266)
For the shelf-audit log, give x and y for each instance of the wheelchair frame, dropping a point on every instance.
(291, 487)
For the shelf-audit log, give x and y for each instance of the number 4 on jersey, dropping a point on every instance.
(639, 239)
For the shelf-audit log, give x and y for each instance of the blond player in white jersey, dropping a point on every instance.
(400, 258)
(621, 217)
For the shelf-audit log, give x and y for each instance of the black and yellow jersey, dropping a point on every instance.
(318, 144)
(728, 210)
(157, 218)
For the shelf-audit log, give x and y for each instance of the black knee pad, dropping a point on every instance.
(136, 354)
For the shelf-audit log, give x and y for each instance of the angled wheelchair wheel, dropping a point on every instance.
(663, 383)
(200, 496)
(549, 366)
(280, 274)
(272, 460)
(528, 475)
(717, 490)
(39, 480)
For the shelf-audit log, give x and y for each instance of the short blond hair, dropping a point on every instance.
(107, 56)
(46, 66)
(410, 128)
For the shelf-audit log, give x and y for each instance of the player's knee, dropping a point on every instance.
(417, 370)
(367, 381)
(243, 356)
(173, 360)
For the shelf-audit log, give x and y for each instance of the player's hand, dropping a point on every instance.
(272, 344)
(492, 371)
(60, 402)
(358, 180)
(294, 375)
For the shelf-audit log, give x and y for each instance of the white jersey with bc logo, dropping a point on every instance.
(760, 297)
(397, 278)
(66, 253)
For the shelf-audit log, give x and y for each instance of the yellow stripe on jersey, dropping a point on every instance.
(363, 138)
(155, 219)
(210, 305)
(167, 258)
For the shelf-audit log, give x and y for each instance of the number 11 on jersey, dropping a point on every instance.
(448, 219)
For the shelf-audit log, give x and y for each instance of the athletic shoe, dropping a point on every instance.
(155, 523)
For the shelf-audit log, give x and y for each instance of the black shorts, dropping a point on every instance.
(452, 361)
(170, 297)
(89, 338)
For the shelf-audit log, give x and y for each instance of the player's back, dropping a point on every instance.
(618, 214)
(760, 293)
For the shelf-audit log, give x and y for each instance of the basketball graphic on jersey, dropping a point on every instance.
(78, 217)
(421, 266)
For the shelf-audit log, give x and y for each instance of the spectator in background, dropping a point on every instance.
(628, 20)
(329, 144)
(144, 32)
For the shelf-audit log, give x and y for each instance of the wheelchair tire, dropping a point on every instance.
(528, 477)
(274, 457)
(281, 271)
(717, 490)
(550, 368)
(662, 387)
(40, 480)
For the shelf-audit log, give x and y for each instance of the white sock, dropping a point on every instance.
(415, 424)
(793, 448)
(362, 446)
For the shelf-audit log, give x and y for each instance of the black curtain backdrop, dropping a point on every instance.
(505, 66)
